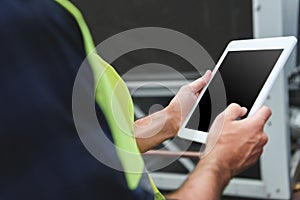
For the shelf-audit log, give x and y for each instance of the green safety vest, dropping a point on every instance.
(115, 101)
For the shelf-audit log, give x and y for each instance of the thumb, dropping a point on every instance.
(234, 111)
(262, 115)
(198, 84)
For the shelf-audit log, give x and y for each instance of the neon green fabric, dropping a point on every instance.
(114, 99)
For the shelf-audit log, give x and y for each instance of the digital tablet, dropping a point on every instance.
(244, 74)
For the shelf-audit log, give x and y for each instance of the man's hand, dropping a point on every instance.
(182, 103)
(240, 142)
(232, 146)
(152, 130)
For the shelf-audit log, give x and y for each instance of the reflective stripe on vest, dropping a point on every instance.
(114, 99)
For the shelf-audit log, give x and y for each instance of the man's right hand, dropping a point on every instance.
(234, 145)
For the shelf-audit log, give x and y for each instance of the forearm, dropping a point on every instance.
(207, 182)
(152, 130)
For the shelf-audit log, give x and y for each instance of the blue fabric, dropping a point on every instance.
(41, 154)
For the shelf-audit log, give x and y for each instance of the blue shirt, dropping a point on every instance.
(42, 157)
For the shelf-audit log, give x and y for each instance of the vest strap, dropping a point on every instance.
(115, 101)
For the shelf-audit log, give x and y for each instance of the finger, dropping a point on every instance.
(264, 139)
(198, 84)
(234, 111)
(262, 115)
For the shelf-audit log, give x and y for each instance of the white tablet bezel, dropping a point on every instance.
(285, 43)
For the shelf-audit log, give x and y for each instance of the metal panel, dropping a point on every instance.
(275, 18)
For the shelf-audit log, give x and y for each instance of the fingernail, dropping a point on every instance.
(207, 72)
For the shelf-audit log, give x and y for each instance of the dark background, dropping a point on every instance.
(212, 23)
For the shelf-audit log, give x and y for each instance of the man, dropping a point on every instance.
(42, 156)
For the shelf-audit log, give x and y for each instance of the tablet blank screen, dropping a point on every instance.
(244, 74)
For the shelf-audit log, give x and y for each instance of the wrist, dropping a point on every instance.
(207, 181)
(172, 123)
(217, 167)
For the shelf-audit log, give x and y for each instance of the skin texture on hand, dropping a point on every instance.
(152, 130)
(246, 137)
(238, 146)
(182, 103)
